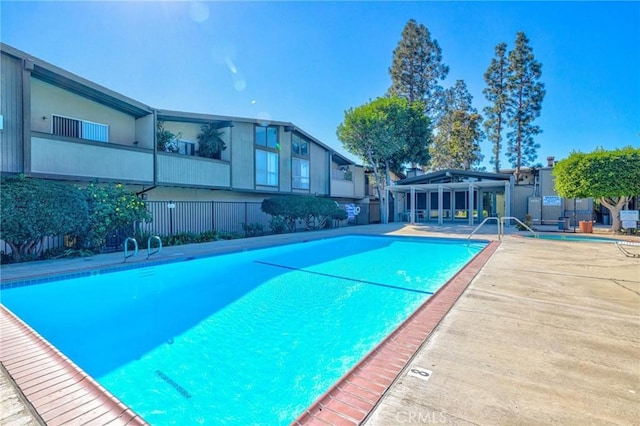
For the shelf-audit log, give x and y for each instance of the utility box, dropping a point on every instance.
(534, 209)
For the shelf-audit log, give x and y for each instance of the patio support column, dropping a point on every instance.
(440, 204)
(471, 204)
(507, 199)
(413, 205)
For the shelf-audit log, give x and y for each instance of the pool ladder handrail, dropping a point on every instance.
(486, 219)
(502, 219)
(149, 253)
(126, 248)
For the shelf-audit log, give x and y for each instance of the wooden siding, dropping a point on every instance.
(242, 157)
(11, 159)
(175, 169)
(90, 160)
(319, 173)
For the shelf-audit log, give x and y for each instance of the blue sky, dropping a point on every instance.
(308, 62)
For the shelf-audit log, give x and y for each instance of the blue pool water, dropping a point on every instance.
(577, 238)
(244, 338)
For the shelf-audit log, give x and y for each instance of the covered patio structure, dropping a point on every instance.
(452, 195)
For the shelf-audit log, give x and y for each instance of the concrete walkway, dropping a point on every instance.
(548, 332)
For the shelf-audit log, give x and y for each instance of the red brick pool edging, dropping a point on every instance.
(353, 397)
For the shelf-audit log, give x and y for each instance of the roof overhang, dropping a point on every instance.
(427, 187)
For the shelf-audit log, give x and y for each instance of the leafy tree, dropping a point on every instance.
(495, 92)
(457, 142)
(33, 209)
(110, 207)
(416, 139)
(210, 143)
(612, 177)
(380, 133)
(417, 68)
(525, 94)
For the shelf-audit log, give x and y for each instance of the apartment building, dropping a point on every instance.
(57, 125)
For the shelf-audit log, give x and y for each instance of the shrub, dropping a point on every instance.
(278, 225)
(313, 211)
(33, 209)
(252, 229)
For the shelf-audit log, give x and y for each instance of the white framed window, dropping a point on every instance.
(300, 173)
(266, 168)
(81, 129)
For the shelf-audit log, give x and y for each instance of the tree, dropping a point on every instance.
(457, 142)
(525, 94)
(495, 92)
(210, 143)
(379, 132)
(417, 68)
(34, 209)
(110, 207)
(612, 177)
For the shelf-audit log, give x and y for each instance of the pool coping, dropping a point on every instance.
(352, 399)
(60, 391)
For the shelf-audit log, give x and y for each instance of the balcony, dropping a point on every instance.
(86, 160)
(177, 169)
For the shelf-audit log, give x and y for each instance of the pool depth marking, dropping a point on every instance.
(291, 268)
(182, 391)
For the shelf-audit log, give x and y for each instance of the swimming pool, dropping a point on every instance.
(577, 238)
(252, 337)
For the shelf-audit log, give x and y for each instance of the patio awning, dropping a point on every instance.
(452, 186)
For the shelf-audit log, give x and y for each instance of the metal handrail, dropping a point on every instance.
(126, 248)
(482, 223)
(502, 219)
(155, 237)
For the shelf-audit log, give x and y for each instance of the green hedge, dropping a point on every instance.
(315, 212)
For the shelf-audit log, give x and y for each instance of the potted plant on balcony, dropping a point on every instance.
(210, 141)
(166, 140)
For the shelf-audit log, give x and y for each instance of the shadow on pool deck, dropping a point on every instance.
(547, 332)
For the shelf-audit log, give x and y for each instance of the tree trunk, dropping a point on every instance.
(615, 207)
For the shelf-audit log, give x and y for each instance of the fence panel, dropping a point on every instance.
(200, 216)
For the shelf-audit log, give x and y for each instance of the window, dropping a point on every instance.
(300, 173)
(266, 168)
(299, 146)
(299, 166)
(73, 128)
(186, 147)
(267, 137)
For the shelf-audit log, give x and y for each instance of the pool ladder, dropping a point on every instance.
(500, 222)
(135, 245)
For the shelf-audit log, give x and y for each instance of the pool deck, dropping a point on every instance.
(546, 332)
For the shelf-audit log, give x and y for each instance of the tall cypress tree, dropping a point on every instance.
(417, 68)
(457, 142)
(495, 92)
(525, 94)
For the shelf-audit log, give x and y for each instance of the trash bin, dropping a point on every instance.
(586, 227)
(563, 223)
